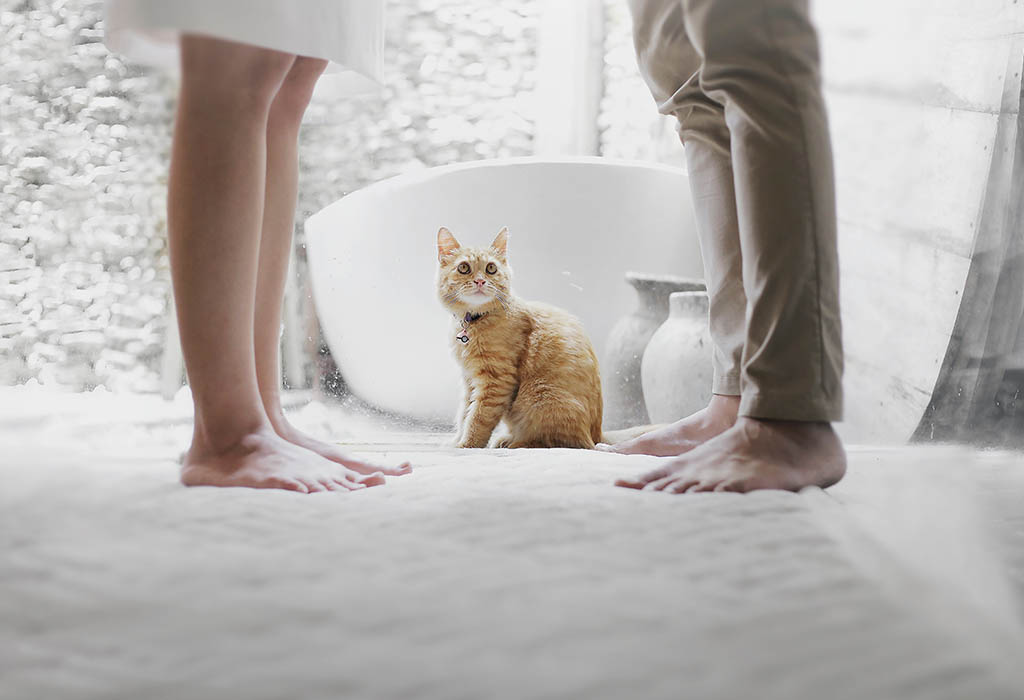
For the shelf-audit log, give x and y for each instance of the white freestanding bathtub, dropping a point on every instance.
(576, 226)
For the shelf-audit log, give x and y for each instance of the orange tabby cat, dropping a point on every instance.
(527, 363)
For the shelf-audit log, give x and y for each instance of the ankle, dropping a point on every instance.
(270, 401)
(278, 422)
(801, 426)
(723, 409)
(805, 433)
(217, 441)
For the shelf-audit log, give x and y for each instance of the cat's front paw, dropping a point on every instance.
(504, 443)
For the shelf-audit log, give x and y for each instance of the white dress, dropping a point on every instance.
(349, 33)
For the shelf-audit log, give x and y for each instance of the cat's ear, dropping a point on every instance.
(446, 245)
(500, 244)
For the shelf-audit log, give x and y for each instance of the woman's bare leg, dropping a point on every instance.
(276, 247)
(215, 208)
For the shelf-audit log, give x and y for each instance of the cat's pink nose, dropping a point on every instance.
(480, 283)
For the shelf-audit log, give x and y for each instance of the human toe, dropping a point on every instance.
(684, 485)
(374, 479)
(312, 485)
(287, 484)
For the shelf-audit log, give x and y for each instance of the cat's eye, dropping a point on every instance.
(464, 268)
(491, 268)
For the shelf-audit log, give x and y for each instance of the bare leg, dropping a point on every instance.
(753, 454)
(685, 434)
(275, 249)
(215, 206)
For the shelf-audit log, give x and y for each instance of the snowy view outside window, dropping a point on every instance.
(85, 151)
(85, 301)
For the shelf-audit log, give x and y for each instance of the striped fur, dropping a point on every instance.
(528, 364)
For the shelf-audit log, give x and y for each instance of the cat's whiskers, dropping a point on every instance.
(498, 295)
(458, 294)
(502, 298)
(452, 296)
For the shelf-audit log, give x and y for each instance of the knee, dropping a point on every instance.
(229, 75)
(665, 55)
(750, 47)
(293, 97)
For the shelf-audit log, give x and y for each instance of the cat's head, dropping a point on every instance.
(473, 279)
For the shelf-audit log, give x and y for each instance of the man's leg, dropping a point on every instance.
(275, 249)
(671, 67)
(215, 205)
(760, 61)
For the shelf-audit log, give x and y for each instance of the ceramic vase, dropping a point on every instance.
(624, 404)
(676, 371)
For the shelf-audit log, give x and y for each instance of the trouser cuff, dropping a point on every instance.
(726, 384)
(803, 407)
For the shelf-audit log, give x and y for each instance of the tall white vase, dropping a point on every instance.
(624, 349)
(676, 370)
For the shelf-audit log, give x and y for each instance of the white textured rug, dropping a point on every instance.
(495, 574)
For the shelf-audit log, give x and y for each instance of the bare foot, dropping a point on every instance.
(334, 452)
(685, 434)
(753, 454)
(263, 460)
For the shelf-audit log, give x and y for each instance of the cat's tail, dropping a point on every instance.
(613, 437)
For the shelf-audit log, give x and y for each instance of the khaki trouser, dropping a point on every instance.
(742, 79)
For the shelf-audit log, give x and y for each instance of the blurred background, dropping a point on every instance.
(84, 148)
(924, 109)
